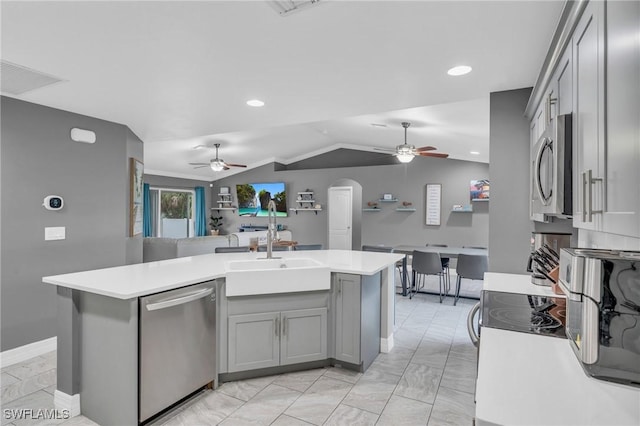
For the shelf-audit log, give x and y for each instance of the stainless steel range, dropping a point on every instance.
(524, 313)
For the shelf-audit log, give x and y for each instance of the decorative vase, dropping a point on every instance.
(215, 231)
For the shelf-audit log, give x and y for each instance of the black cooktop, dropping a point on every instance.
(523, 313)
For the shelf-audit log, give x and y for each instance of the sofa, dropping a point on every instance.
(157, 248)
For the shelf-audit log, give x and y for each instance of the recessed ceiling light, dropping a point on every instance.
(459, 70)
(474, 152)
(255, 103)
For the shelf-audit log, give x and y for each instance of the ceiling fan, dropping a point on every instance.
(216, 164)
(406, 152)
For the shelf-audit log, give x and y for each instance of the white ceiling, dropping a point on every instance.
(179, 73)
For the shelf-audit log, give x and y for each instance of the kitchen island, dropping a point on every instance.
(98, 320)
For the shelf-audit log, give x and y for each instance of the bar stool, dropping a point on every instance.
(424, 264)
(385, 249)
(445, 265)
(470, 267)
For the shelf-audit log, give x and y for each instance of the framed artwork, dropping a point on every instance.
(433, 201)
(224, 190)
(136, 170)
(479, 190)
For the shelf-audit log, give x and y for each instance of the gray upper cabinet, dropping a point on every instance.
(607, 117)
(622, 150)
(589, 137)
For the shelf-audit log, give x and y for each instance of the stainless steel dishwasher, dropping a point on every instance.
(177, 345)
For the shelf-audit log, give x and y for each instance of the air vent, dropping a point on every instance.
(287, 7)
(17, 79)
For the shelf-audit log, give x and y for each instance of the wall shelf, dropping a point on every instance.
(393, 200)
(305, 210)
(371, 210)
(223, 208)
(306, 203)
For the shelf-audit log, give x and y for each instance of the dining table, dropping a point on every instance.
(450, 252)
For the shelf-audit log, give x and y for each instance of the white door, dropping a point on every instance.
(340, 217)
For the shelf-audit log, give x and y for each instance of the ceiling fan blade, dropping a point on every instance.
(432, 154)
(225, 168)
(198, 164)
(201, 167)
(234, 165)
(426, 148)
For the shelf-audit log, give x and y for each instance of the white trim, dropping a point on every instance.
(31, 350)
(386, 344)
(63, 401)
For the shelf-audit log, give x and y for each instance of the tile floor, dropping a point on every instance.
(427, 379)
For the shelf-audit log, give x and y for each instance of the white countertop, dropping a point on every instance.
(527, 379)
(127, 282)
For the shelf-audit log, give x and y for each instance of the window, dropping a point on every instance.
(172, 212)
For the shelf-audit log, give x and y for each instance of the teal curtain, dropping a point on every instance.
(201, 213)
(147, 227)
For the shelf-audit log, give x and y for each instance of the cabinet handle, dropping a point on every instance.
(339, 285)
(277, 327)
(590, 181)
(550, 101)
(284, 326)
(584, 196)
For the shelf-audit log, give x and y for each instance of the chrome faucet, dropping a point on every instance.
(271, 232)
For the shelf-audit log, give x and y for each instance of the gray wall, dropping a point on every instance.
(407, 183)
(509, 224)
(38, 158)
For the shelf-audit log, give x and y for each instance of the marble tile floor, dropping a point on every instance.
(427, 379)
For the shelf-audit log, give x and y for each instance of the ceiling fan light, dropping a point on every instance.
(217, 166)
(405, 158)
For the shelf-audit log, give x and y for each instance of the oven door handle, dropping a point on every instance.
(545, 199)
(475, 337)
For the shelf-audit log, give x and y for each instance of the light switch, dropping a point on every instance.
(54, 233)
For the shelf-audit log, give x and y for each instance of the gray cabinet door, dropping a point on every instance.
(589, 90)
(622, 192)
(254, 341)
(303, 336)
(348, 318)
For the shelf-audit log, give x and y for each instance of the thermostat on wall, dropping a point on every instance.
(53, 202)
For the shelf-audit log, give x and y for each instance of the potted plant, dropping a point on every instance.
(216, 224)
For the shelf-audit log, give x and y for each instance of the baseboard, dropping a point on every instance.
(386, 344)
(23, 353)
(69, 403)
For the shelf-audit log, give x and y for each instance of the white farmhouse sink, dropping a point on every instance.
(269, 276)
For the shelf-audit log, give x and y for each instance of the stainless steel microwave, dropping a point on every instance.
(603, 311)
(551, 171)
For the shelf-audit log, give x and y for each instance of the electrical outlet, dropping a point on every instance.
(54, 233)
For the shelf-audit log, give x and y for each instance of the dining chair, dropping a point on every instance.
(307, 247)
(424, 264)
(239, 249)
(385, 249)
(470, 267)
(273, 248)
(445, 265)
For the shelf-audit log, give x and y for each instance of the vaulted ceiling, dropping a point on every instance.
(178, 73)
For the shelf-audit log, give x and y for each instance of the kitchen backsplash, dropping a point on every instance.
(593, 239)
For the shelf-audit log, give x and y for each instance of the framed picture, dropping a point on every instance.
(479, 190)
(224, 190)
(136, 170)
(433, 199)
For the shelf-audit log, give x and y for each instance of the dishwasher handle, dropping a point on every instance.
(179, 300)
